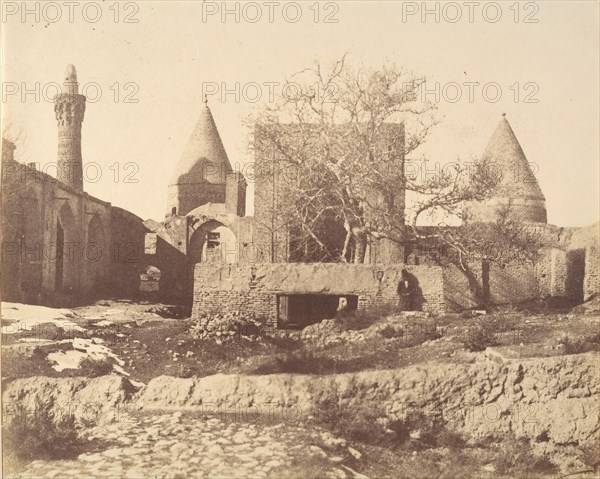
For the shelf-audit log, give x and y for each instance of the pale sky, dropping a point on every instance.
(163, 60)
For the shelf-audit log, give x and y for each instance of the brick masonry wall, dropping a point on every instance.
(254, 288)
(511, 284)
(591, 282)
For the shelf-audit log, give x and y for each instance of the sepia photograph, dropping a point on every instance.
(300, 239)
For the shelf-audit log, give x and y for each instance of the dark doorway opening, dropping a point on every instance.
(60, 248)
(295, 311)
(575, 274)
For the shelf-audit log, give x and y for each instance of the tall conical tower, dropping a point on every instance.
(69, 108)
(201, 174)
(518, 190)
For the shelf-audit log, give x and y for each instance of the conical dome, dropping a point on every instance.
(201, 173)
(204, 158)
(518, 187)
(506, 155)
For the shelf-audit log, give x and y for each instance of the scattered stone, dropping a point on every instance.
(356, 454)
(317, 451)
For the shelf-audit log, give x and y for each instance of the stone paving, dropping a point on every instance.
(174, 446)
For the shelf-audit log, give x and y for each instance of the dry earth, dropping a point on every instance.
(335, 400)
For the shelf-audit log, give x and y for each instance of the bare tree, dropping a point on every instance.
(347, 132)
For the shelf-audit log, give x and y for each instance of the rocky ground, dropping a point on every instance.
(177, 446)
(149, 357)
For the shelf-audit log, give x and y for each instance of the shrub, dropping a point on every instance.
(358, 424)
(390, 332)
(41, 434)
(93, 368)
(415, 431)
(516, 457)
(580, 345)
(484, 333)
(478, 339)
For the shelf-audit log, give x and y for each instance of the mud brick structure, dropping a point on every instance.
(56, 238)
(60, 244)
(282, 293)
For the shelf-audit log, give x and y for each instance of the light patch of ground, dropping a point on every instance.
(85, 348)
(26, 317)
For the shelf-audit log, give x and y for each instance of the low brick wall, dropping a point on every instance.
(254, 288)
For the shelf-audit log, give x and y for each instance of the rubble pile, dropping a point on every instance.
(336, 331)
(226, 326)
(328, 332)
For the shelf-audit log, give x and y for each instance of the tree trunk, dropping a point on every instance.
(360, 241)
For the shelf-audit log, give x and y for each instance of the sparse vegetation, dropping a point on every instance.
(580, 345)
(390, 332)
(415, 431)
(479, 338)
(485, 331)
(515, 457)
(298, 362)
(95, 367)
(41, 434)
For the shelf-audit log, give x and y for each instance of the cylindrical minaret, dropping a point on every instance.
(69, 107)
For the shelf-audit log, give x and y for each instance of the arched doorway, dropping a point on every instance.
(95, 254)
(67, 254)
(213, 242)
(150, 280)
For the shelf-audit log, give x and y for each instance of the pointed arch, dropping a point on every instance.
(66, 256)
(213, 242)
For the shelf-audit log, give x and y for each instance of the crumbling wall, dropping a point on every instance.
(551, 271)
(54, 238)
(511, 283)
(587, 239)
(127, 240)
(591, 281)
(553, 397)
(516, 283)
(253, 288)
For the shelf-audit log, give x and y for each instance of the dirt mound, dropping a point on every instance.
(549, 400)
(590, 307)
(89, 400)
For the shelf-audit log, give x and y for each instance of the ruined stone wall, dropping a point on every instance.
(591, 282)
(587, 240)
(552, 272)
(37, 210)
(253, 288)
(516, 283)
(127, 262)
(567, 267)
